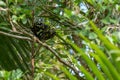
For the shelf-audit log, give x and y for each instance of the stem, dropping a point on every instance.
(57, 56)
(32, 59)
(15, 36)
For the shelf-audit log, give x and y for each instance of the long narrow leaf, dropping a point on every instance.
(88, 61)
(70, 76)
(102, 37)
(103, 57)
(52, 76)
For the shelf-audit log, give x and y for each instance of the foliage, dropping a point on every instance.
(86, 45)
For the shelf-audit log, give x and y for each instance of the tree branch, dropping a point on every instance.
(57, 56)
(15, 36)
(44, 45)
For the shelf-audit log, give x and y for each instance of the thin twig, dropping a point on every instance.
(15, 36)
(32, 59)
(57, 56)
(9, 17)
(44, 45)
(37, 50)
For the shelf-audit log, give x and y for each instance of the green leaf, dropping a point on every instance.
(92, 35)
(52, 76)
(16, 74)
(88, 61)
(104, 58)
(14, 18)
(2, 3)
(70, 76)
(68, 13)
(105, 20)
(103, 66)
(107, 43)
